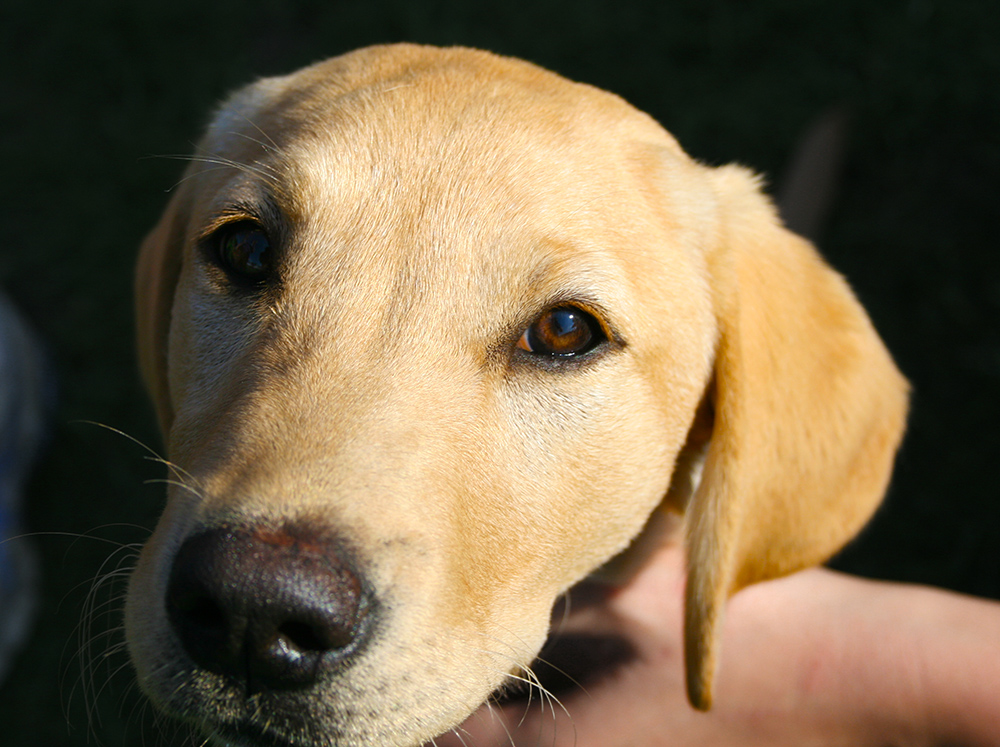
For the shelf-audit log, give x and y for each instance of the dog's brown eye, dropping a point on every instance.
(562, 332)
(245, 251)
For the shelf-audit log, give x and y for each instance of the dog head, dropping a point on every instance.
(430, 334)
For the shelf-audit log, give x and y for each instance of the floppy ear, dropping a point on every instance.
(156, 276)
(809, 410)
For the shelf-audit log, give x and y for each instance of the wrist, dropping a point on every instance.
(841, 668)
(884, 663)
(955, 644)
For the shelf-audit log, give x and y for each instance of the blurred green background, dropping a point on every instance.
(92, 93)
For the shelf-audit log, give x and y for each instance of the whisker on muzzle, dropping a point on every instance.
(100, 639)
(97, 650)
(152, 454)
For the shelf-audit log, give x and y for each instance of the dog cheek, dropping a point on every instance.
(209, 336)
(589, 463)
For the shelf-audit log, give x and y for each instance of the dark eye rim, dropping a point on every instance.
(602, 337)
(214, 250)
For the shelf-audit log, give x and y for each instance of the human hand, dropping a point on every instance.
(817, 658)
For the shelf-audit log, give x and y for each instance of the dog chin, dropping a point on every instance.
(569, 666)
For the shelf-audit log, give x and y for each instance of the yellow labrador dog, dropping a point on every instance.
(431, 334)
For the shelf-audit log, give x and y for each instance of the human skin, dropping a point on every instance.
(815, 659)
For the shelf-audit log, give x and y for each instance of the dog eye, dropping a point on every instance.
(562, 332)
(244, 251)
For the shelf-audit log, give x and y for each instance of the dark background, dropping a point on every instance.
(91, 93)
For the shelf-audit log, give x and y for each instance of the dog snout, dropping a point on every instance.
(271, 609)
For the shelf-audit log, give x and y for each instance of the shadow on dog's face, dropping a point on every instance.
(412, 375)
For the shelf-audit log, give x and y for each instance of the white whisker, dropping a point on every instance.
(179, 472)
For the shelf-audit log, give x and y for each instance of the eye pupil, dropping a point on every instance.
(246, 251)
(562, 332)
(565, 323)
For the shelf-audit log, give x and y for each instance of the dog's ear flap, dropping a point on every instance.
(156, 275)
(809, 410)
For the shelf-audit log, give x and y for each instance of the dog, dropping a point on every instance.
(431, 334)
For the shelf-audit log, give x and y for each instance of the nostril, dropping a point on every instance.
(302, 636)
(196, 608)
(291, 653)
(207, 615)
(206, 623)
(208, 633)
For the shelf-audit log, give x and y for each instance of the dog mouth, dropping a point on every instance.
(569, 664)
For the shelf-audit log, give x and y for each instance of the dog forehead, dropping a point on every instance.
(406, 112)
(444, 167)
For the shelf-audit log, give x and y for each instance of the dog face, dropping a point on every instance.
(430, 334)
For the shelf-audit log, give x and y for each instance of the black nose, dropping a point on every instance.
(274, 609)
